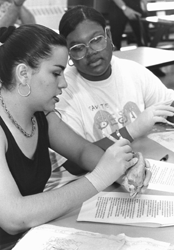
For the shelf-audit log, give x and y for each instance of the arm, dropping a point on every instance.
(26, 16)
(20, 213)
(12, 14)
(128, 12)
(144, 5)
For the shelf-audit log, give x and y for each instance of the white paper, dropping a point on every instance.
(162, 176)
(119, 208)
(49, 237)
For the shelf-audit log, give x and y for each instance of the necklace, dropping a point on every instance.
(15, 122)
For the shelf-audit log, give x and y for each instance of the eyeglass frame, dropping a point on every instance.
(87, 45)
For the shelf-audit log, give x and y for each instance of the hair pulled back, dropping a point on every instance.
(27, 44)
(77, 15)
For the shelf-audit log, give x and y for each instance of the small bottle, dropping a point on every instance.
(171, 118)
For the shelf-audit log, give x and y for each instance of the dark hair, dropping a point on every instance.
(77, 15)
(27, 44)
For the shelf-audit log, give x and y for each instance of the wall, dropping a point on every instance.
(47, 12)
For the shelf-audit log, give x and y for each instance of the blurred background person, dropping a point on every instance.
(123, 12)
(14, 12)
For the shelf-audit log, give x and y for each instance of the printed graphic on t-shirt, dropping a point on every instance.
(107, 122)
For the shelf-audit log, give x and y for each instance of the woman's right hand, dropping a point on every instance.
(112, 165)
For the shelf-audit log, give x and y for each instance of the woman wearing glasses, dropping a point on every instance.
(106, 95)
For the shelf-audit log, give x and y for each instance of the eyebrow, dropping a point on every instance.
(60, 66)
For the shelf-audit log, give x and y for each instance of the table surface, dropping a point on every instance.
(164, 19)
(147, 56)
(159, 6)
(150, 149)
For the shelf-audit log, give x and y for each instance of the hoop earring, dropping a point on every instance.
(70, 62)
(113, 46)
(29, 90)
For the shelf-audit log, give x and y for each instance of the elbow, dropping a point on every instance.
(14, 225)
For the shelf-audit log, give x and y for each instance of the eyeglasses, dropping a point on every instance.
(97, 43)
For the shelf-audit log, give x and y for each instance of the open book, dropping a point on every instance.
(144, 210)
(49, 237)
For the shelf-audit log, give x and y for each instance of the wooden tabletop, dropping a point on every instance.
(147, 56)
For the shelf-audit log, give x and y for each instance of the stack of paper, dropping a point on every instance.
(144, 210)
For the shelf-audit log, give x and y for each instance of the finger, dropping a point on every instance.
(160, 119)
(129, 156)
(147, 164)
(143, 189)
(163, 113)
(147, 177)
(169, 102)
(137, 13)
(128, 149)
(131, 163)
(124, 142)
(165, 107)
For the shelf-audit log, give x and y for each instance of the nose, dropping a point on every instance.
(90, 51)
(62, 84)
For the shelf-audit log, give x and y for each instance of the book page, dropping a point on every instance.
(119, 208)
(162, 176)
(49, 237)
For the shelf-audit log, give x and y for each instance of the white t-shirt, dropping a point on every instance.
(91, 108)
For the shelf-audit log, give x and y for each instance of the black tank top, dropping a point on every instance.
(30, 175)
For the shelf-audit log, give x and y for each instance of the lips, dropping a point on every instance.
(95, 62)
(56, 99)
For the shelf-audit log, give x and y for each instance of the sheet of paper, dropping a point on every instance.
(49, 237)
(119, 208)
(162, 176)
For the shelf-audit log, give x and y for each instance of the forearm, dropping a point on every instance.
(119, 3)
(30, 211)
(10, 16)
(26, 16)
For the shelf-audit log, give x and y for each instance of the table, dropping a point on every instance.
(147, 56)
(160, 6)
(150, 149)
(162, 23)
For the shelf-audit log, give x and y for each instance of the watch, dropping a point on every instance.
(118, 135)
(123, 7)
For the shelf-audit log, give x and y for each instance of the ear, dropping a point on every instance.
(109, 35)
(22, 73)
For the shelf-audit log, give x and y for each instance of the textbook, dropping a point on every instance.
(143, 210)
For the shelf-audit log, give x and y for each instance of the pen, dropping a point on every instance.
(110, 137)
(164, 158)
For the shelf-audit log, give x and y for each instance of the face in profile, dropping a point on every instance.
(93, 60)
(48, 81)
